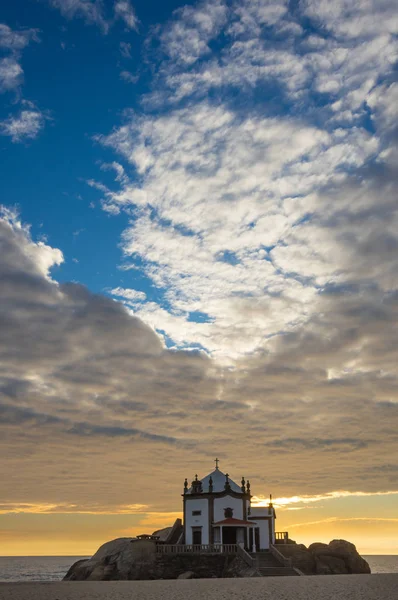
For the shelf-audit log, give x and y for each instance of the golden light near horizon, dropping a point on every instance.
(48, 529)
(307, 499)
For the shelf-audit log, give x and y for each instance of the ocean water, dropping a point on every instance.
(382, 563)
(35, 568)
(53, 568)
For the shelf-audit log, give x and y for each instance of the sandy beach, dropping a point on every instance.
(328, 587)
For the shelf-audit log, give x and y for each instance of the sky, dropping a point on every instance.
(198, 258)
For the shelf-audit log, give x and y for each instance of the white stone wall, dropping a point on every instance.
(202, 520)
(263, 525)
(228, 502)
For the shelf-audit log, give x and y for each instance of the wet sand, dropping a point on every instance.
(327, 587)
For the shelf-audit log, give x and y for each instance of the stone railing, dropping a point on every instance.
(197, 548)
(281, 537)
(249, 560)
(286, 562)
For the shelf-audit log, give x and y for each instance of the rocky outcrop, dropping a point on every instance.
(339, 557)
(123, 558)
(136, 558)
(170, 535)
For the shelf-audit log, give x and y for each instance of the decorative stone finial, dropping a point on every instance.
(196, 486)
(210, 484)
(243, 485)
(248, 487)
(185, 485)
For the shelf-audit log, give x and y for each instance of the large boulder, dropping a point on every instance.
(170, 535)
(341, 557)
(162, 534)
(187, 575)
(336, 558)
(302, 558)
(330, 565)
(123, 558)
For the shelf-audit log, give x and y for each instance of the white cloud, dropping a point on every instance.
(11, 74)
(16, 40)
(193, 28)
(27, 123)
(120, 173)
(353, 18)
(42, 257)
(232, 189)
(90, 10)
(125, 49)
(244, 211)
(128, 77)
(25, 126)
(125, 11)
(308, 499)
(94, 12)
(249, 17)
(128, 294)
(343, 67)
(13, 42)
(383, 100)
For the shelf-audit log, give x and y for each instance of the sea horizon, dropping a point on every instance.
(54, 568)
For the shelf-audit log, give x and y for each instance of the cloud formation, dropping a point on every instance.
(124, 10)
(87, 383)
(28, 122)
(255, 192)
(128, 294)
(94, 12)
(12, 43)
(25, 126)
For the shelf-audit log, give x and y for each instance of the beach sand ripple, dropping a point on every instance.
(327, 587)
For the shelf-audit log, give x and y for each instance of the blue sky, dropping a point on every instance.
(217, 176)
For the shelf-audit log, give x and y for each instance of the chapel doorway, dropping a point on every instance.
(196, 536)
(229, 535)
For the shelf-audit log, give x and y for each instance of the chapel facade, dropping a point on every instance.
(218, 511)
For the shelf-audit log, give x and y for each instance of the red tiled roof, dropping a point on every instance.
(236, 522)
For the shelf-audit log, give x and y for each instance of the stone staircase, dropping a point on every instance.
(269, 566)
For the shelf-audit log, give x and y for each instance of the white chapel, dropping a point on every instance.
(218, 511)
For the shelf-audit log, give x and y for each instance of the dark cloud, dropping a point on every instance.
(345, 444)
(86, 429)
(12, 415)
